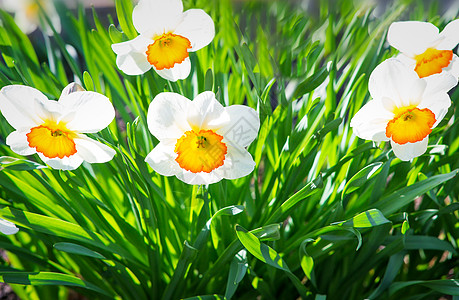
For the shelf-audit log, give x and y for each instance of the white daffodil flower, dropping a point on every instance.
(6, 227)
(27, 14)
(54, 129)
(424, 49)
(166, 35)
(404, 109)
(200, 141)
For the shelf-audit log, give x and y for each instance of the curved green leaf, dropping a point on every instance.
(267, 255)
(267, 233)
(88, 82)
(16, 164)
(447, 286)
(302, 194)
(310, 83)
(237, 271)
(124, 12)
(65, 229)
(369, 218)
(77, 249)
(360, 178)
(49, 278)
(261, 251)
(306, 261)
(404, 196)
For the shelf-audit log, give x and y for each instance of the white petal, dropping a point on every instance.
(198, 27)
(438, 103)
(71, 88)
(133, 63)
(131, 55)
(205, 112)
(162, 159)
(178, 71)
(392, 79)
(19, 104)
(199, 178)
(138, 44)
(409, 151)
(66, 163)
(86, 111)
(412, 37)
(167, 116)
(17, 140)
(370, 121)
(157, 16)
(243, 126)
(408, 61)
(49, 110)
(7, 227)
(453, 67)
(25, 23)
(11, 5)
(93, 151)
(449, 36)
(440, 83)
(238, 163)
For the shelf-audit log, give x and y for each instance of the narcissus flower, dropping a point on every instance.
(54, 129)
(27, 14)
(200, 141)
(404, 109)
(424, 49)
(6, 227)
(167, 34)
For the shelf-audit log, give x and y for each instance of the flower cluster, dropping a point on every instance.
(200, 141)
(410, 91)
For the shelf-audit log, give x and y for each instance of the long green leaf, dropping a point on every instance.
(447, 286)
(302, 194)
(49, 278)
(404, 196)
(310, 83)
(238, 269)
(67, 230)
(369, 218)
(267, 255)
(77, 249)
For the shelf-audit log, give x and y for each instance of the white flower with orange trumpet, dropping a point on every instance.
(404, 109)
(424, 49)
(28, 17)
(55, 129)
(166, 35)
(200, 141)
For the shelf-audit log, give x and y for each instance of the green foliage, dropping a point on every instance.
(324, 215)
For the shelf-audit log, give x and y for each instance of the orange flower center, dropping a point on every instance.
(203, 151)
(167, 50)
(52, 140)
(432, 61)
(410, 124)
